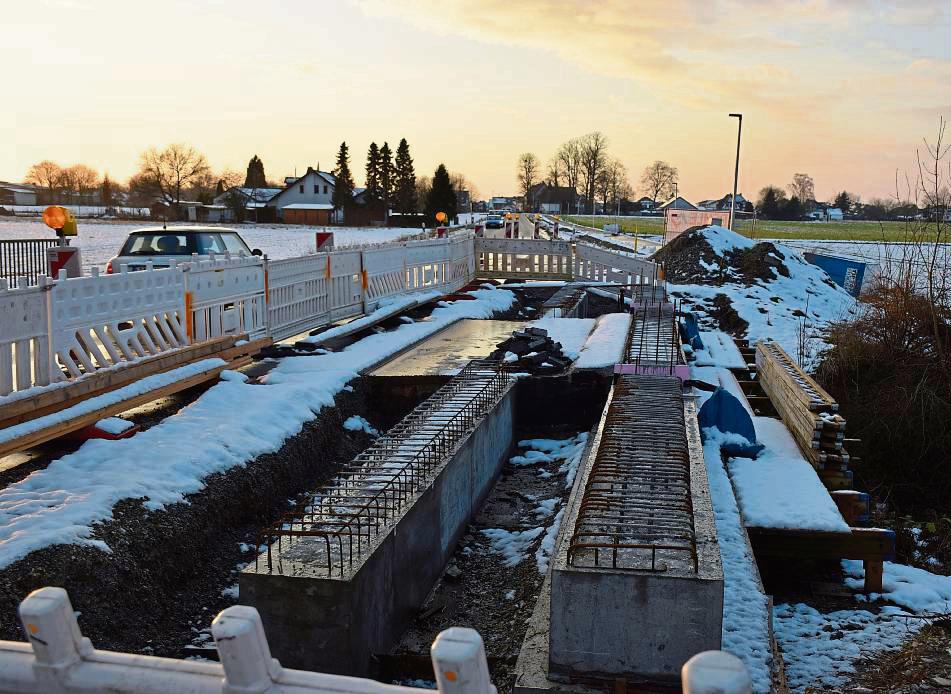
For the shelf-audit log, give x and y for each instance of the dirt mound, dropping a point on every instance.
(691, 259)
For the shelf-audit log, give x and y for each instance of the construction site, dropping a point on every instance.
(527, 460)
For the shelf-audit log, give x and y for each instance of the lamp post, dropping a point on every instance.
(736, 170)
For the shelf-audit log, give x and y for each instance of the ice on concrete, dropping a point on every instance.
(779, 488)
(230, 424)
(605, 345)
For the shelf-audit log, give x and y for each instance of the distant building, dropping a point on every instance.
(827, 214)
(647, 204)
(552, 199)
(677, 203)
(18, 194)
(720, 204)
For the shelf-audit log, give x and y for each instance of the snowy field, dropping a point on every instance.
(99, 240)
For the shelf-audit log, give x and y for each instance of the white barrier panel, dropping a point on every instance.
(98, 321)
(59, 660)
(386, 273)
(603, 265)
(526, 258)
(225, 296)
(298, 295)
(345, 270)
(24, 337)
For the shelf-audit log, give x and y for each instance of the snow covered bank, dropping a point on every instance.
(605, 345)
(230, 424)
(772, 288)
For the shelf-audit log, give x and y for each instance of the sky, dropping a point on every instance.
(843, 90)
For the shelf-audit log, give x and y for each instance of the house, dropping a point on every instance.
(243, 204)
(307, 199)
(722, 204)
(501, 204)
(463, 201)
(826, 214)
(647, 204)
(677, 203)
(18, 194)
(552, 199)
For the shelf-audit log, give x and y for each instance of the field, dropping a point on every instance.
(769, 229)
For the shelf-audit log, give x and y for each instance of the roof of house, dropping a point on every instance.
(678, 203)
(19, 187)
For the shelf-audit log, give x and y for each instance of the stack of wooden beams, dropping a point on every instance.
(808, 411)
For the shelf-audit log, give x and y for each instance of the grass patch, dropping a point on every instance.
(772, 229)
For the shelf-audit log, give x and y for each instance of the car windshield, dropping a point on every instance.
(171, 243)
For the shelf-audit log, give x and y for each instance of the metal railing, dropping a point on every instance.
(653, 343)
(334, 527)
(24, 258)
(636, 510)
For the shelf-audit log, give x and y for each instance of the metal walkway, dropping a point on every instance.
(337, 526)
(653, 344)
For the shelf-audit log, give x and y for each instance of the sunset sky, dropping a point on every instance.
(843, 90)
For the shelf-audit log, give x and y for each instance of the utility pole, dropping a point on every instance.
(736, 170)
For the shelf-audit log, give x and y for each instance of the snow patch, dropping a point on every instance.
(358, 423)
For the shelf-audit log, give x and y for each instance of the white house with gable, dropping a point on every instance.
(307, 199)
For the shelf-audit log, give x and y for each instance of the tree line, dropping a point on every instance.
(584, 165)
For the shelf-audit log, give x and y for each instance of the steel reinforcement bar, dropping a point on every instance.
(341, 521)
(636, 511)
(654, 340)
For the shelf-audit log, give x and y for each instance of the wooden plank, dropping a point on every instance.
(68, 426)
(860, 543)
(49, 401)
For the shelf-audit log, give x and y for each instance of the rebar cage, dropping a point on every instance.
(636, 510)
(653, 343)
(332, 528)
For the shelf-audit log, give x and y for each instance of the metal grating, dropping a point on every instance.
(567, 302)
(334, 527)
(654, 340)
(636, 510)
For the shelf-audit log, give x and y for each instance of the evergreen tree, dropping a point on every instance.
(442, 196)
(255, 176)
(220, 188)
(387, 174)
(343, 188)
(106, 193)
(405, 189)
(771, 201)
(374, 189)
(791, 209)
(843, 201)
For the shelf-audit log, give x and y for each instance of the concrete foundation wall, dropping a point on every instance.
(335, 625)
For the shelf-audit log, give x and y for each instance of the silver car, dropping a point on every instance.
(168, 247)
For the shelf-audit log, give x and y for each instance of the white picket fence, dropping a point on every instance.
(58, 659)
(66, 328)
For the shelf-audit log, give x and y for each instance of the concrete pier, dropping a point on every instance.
(326, 607)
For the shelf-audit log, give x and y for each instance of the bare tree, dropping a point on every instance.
(594, 153)
(81, 179)
(804, 188)
(659, 180)
(46, 174)
(460, 182)
(569, 158)
(528, 170)
(423, 185)
(555, 171)
(172, 170)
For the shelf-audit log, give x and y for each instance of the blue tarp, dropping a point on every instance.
(691, 331)
(723, 411)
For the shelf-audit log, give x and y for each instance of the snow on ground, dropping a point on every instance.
(770, 308)
(745, 605)
(114, 425)
(234, 421)
(920, 591)
(605, 345)
(358, 423)
(568, 450)
(99, 241)
(513, 545)
(780, 489)
(570, 332)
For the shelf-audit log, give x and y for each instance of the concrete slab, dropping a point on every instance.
(449, 350)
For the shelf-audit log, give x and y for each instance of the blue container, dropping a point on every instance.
(848, 273)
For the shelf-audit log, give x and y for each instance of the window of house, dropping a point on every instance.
(325, 190)
(316, 189)
(302, 187)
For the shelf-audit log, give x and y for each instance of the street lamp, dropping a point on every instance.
(736, 171)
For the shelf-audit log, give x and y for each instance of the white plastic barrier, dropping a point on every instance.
(225, 296)
(526, 258)
(24, 337)
(298, 296)
(59, 660)
(604, 265)
(100, 320)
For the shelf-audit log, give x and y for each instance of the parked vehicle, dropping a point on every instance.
(166, 247)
